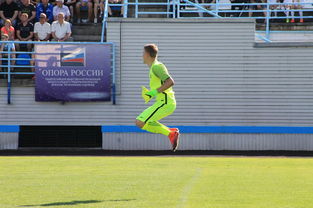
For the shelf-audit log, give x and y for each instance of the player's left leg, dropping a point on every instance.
(148, 119)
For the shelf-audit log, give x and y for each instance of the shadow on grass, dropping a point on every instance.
(75, 202)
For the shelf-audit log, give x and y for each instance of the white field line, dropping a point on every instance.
(188, 187)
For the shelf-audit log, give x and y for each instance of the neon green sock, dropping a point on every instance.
(156, 127)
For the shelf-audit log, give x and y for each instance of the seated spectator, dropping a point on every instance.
(116, 11)
(61, 29)
(71, 4)
(258, 6)
(29, 9)
(6, 47)
(8, 29)
(8, 10)
(274, 6)
(98, 7)
(297, 6)
(42, 29)
(24, 32)
(84, 3)
(46, 8)
(210, 7)
(61, 8)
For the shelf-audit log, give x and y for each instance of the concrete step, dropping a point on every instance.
(307, 26)
(87, 32)
(290, 36)
(87, 38)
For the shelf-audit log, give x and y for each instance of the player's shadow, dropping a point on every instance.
(75, 202)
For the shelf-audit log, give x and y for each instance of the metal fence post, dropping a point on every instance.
(125, 8)
(9, 74)
(268, 13)
(136, 9)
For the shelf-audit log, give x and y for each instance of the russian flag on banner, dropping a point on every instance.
(76, 58)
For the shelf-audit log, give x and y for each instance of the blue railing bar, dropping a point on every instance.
(56, 42)
(296, 17)
(234, 4)
(16, 52)
(17, 59)
(125, 8)
(168, 8)
(9, 78)
(202, 8)
(113, 78)
(247, 11)
(177, 2)
(268, 15)
(147, 4)
(285, 31)
(136, 9)
(154, 13)
(18, 73)
(263, 38)
(17, 66)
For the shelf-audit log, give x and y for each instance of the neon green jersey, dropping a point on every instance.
(158, 74)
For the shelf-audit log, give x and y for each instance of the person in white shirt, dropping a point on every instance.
(60, 7)
(61, 29)
(42, 29)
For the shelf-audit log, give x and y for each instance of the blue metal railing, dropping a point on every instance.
(106, 15)
(11, 58)
(175, 9)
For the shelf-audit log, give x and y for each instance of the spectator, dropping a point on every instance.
(209, 7)
(288, 6)
(84, 3)
(42, 29)
(29, 9)
(297, 6)
(8, 10)
(61, 8)
(71, 4)
(274, 6)
(258, 6)
(24, 32)
(61, 29)
(46, 8)
(6, 47)
(8, 29)
(116, 11)
(98, 6)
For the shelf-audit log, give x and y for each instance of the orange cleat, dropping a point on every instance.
(174, 139)
(301, 20)
(174, 129)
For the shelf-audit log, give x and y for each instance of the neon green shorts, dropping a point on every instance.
(157, 111)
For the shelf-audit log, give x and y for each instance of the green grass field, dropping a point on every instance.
(156, 182)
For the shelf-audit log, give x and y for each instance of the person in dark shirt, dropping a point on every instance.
(29, 9)
(46, 8)
(8, 10)
(24, 32)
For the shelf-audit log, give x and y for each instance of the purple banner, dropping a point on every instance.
(73, 72)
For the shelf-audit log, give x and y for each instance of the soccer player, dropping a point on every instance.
(161, 89)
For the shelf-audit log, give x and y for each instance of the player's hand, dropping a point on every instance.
(145, 97)
(152, 93)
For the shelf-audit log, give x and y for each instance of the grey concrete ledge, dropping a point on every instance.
(283, 45)
(171, 20)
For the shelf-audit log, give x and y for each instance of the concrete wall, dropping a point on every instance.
(222, 79)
